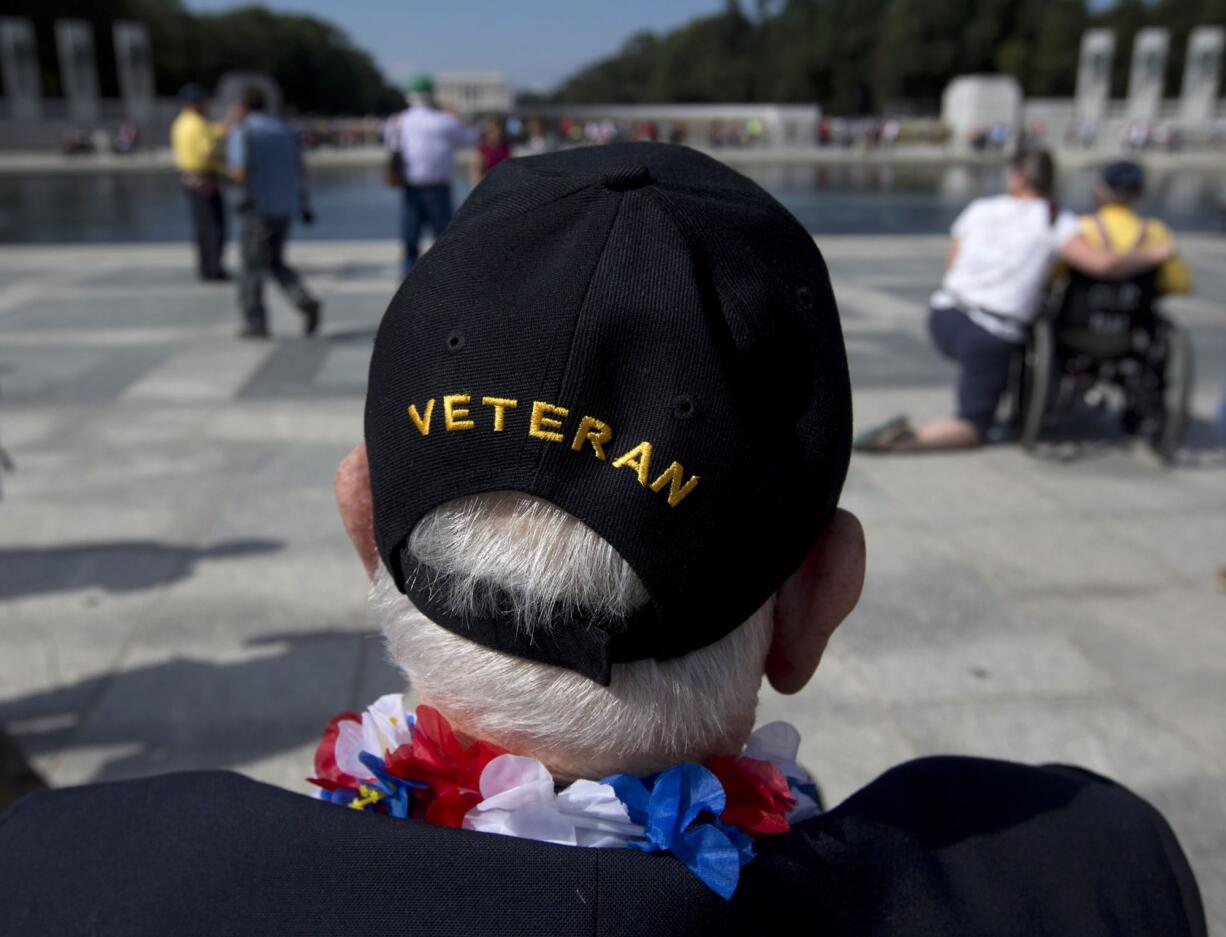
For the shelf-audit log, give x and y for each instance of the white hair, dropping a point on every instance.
(518, 553)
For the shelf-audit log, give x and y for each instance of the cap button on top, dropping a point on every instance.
(621, 178)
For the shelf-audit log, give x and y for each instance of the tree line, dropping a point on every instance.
(863, 56)
(319, 69)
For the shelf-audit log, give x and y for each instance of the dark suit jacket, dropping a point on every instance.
(939, 846)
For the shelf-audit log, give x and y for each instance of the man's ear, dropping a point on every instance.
(814, 601)
(352, 487)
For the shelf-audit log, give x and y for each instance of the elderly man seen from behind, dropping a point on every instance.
(608, 422)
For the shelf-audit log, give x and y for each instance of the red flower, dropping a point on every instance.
(758, 797)
(328, 774)
(438, 759)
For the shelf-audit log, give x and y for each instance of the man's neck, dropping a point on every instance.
(567, 766)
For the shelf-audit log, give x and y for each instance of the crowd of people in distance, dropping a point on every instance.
(993, 138)
(1142, 136)
(80, 140)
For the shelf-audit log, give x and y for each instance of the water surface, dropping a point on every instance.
(355, 204)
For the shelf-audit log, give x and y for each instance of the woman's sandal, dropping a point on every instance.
(890, 436)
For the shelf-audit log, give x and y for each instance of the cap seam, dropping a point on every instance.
(680, 220)
(536, 206)
(574, 330)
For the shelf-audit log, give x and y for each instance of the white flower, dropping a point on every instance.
(519, 800)
(383, 729)
(384, 725)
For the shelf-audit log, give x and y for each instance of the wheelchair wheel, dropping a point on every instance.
(1037, 375)
(1178, 379)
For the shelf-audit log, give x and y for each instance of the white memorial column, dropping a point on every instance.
(19, 67)
(134, 64)
(1094, 77)
(1201, 74)
(1147, 77)
(74, 44)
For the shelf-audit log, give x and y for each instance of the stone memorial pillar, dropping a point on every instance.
(74, 42)
(19, 67)
(1201, 74)
(1147, 77)
(134, 64)
(1094, 76)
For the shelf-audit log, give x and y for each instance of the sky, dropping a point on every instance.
(535, 43)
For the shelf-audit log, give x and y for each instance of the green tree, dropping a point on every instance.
(318, 68)
(918, 47)
(853, 56)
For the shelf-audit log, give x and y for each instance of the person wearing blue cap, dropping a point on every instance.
(1118, 227)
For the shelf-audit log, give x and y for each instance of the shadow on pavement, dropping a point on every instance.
(185, 713)
(17, 778)
(357, 336)
(119, 566)
(1204, 445)
(1090, 435)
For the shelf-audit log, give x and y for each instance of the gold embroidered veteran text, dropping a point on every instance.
(547, 422)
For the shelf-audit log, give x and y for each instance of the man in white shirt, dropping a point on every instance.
(425, 138)
(1000, 257)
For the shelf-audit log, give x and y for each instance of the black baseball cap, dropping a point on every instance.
(648, 340)
(1124, 177)
(192, 93)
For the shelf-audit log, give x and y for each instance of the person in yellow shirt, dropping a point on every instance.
(1117, 226)
(196, 144)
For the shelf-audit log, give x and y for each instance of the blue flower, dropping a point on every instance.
(342, 795)
(668, 806)
(398, 790)
(633, 792)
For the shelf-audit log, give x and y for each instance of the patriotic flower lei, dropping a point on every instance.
(388, 761)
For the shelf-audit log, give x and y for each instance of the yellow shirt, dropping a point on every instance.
(1123, 227)
(194, 141)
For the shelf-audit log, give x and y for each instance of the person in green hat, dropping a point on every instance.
(423, 140)
(421, 83)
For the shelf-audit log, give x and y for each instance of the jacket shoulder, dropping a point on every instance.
(974, 845)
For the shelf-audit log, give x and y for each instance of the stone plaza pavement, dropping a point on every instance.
(176, 591)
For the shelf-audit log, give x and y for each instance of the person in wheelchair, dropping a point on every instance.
(1096, 315)
(1117, 225)
(1110, 332)
(1001, 255)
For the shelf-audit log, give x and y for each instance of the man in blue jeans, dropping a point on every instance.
(263, 159)
(424, 138)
